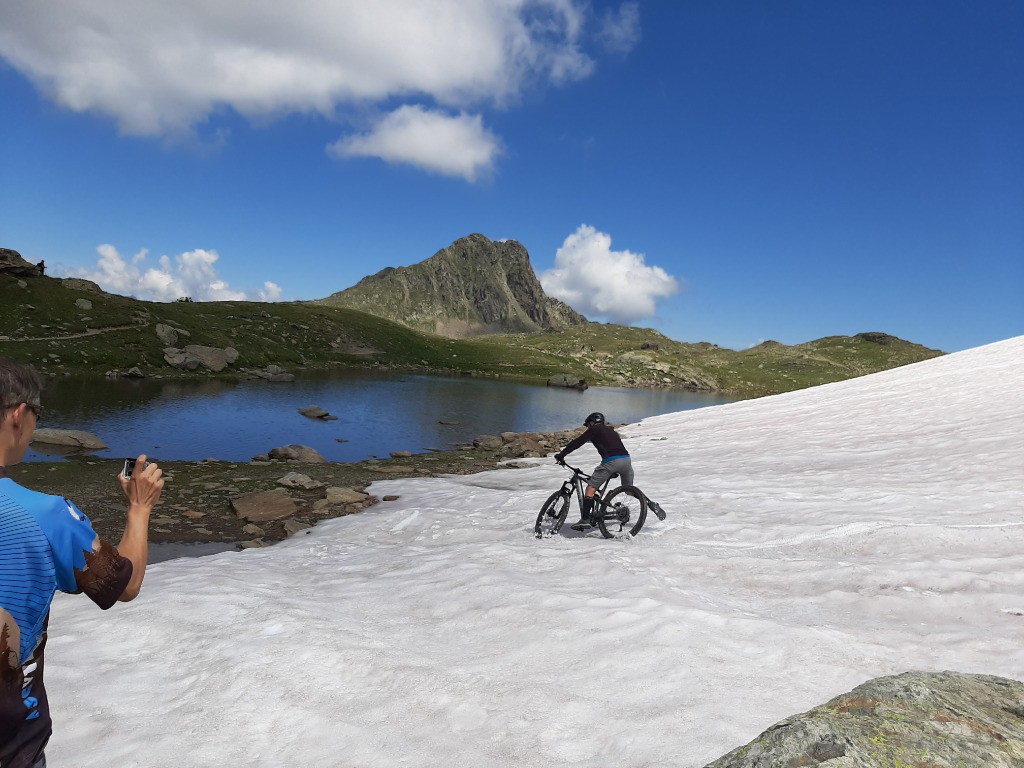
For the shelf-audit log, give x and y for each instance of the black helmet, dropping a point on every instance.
(594, 418)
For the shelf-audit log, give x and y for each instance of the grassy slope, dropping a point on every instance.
(295, 335)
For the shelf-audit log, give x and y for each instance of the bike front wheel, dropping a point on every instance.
(552, 515)
(624, 511)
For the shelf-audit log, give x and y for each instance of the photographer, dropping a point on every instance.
(47, 544)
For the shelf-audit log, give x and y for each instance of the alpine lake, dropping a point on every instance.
(205, 432)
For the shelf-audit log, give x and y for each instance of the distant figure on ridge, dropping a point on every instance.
(614, 459)
(46, 545)
(41, 266)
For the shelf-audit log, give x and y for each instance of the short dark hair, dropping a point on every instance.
(19, 383)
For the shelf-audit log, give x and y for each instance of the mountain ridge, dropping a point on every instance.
(70, 326)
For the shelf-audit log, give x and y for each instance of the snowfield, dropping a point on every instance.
(815, 540)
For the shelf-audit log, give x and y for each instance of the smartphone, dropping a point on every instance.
(129, 467)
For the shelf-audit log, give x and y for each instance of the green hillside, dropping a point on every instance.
(67, 326)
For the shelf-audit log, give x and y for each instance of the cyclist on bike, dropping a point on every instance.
(614, 459)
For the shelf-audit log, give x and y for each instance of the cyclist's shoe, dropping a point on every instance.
(584, 524)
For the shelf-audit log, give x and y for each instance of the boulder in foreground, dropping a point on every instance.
(915, 719)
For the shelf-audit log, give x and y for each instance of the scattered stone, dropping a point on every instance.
(321, 506)
(316, 412)
(264, 505)
(296, 480)
(251, 544)
(253, 530)
(194, 355)
(78, 284)
(134, 373)
(83, 304)
(297, 453)
(913, 719)
(194, 515)
(401, 454)
(568, 380)
(273, 373)
(391, 497)
(166, 334)
(292, 527)
(344, 496)
(204, 531)
(488, 442)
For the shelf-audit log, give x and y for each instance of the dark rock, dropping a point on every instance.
(913, 719)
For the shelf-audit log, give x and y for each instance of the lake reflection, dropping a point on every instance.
(377, 413)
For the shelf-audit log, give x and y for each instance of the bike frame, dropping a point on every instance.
(579, 481)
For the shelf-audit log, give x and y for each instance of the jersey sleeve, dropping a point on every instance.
(106, 574)
(82, 561)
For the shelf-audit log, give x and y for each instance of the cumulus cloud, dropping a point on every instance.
(599, 282)
(192, 273)
(162, 68)
(433, 141)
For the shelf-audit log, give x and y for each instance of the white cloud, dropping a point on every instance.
(435, 142)
(599, 282)
(620, 32)
(192, 273)
(162, 68)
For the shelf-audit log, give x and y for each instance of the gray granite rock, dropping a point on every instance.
(166, 334)
(933, 719)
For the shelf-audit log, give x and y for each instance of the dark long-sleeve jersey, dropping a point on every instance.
(604, 438)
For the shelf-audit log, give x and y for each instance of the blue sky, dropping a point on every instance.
(721, 171)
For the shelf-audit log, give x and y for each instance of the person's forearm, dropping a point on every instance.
(135, 546)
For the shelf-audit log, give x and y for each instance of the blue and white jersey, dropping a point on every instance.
(46, 544)
(43, 541)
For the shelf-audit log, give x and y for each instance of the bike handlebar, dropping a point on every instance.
(577, 470)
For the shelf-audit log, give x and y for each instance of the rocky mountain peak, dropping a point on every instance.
(474, 286)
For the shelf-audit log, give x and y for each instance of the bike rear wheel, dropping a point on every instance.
(625, 511)
(552, 515)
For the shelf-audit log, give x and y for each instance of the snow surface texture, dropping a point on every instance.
(815, 540)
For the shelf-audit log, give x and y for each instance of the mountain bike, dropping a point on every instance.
(623, 510)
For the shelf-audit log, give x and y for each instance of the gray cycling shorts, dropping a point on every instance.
(624, 466)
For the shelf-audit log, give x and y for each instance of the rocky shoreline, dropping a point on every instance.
(252, 504)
